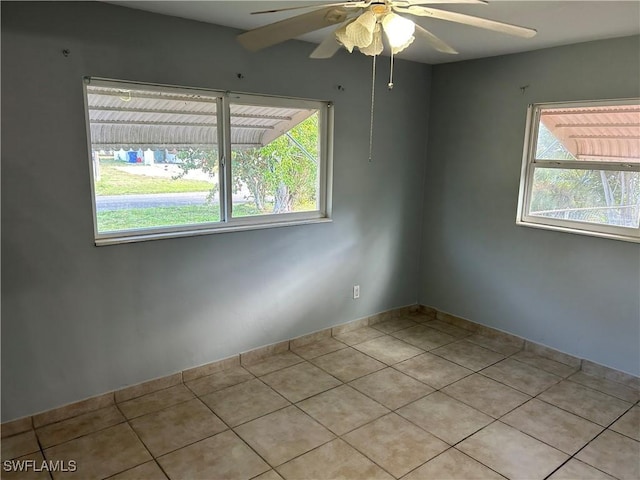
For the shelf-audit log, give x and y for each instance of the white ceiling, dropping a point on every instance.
(558, 22)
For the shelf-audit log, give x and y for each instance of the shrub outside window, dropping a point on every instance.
(170, 161)
(581, 168)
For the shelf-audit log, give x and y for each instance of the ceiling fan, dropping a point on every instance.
(361, 25)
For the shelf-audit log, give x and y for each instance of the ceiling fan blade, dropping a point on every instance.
(278, 32)
(435, 42)
(428, 2)
(340, 4)
(327, 48)
(469, 20)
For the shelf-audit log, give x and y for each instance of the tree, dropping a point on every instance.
(248, 169)
(198, 158)
(583, 194)
(282, 175)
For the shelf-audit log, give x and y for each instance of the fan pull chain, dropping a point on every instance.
(373, 98)
(391, 73)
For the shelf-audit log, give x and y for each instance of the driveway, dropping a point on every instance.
(121, 202)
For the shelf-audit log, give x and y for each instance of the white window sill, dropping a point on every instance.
(590, 233)
(143, 237)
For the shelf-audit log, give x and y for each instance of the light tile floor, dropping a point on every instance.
(412, 398)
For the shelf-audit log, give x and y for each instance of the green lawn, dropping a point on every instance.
(116, 182)
(114, 220)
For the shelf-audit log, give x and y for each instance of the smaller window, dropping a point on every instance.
(581, 168)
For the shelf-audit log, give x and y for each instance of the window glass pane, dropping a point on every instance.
(275, 160)
(549, 147)
(593, 196)
(601, 133)
(154, 157)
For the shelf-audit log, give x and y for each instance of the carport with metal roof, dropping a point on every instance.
(138, 118)
(597, 133)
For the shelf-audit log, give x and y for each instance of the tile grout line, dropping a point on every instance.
(390, 336)
(464, 366)
(516, 388)
(335, 437)
(232, 429)
(140, 440)
(102, 429)
(356, 350)
(540, 368)
(361, 426)
(608, 427)
(35, 433)
(604, 393)
(470, 435)
(489, 415)
(158, 410)
(622, 415)
(252, 419)
(339, 437)
(567, 411)
(253, 377)
(428, 384)
(461, 452)
(573, 413)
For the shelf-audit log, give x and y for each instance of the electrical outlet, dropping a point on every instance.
(356, 291)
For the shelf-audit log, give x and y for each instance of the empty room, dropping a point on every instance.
(389, 239)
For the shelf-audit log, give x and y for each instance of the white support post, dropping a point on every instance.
(96, 166)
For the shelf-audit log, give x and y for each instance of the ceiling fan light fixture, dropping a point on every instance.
(358, 33)
(399, 31)
(376, 46)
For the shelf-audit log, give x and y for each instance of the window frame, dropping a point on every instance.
(227, 222)
(530, 164)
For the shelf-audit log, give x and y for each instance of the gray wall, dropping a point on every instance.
(78, 320)
(578, 294)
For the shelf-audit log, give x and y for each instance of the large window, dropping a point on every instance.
(581, 168)
(169, 161)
